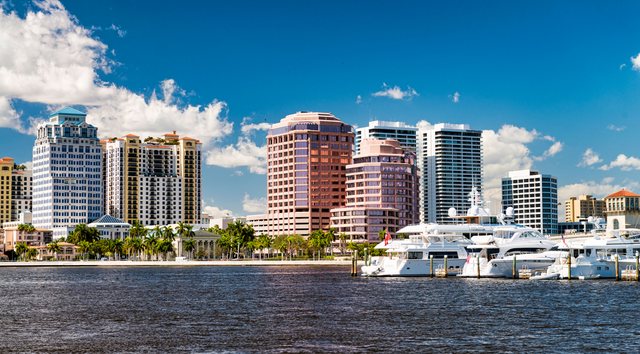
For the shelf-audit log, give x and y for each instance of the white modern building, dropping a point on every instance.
(405, 134)
(67, 171)
(534, 198)
(450, 163)
(111, 228)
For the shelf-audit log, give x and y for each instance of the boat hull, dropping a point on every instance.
(393, 267)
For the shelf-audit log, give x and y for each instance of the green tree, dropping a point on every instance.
(26, 228)
(32, 253)
(261, 243)
(132, 245)
(189, 245)
(21, 249)
(82, 232)
(84, 247)
(55, 248)
(281, 244)
(149, 245)
(137, 230)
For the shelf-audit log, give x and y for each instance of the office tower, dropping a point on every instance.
(6, 169)
(156, 181)
(582, 207)
(405, 134)
(21, 191)
(450, 160)
(67, 171)
(534, 198)
(382, 191)
(307, 154)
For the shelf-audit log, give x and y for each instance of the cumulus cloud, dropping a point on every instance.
(553, 150)
(616, 128)
(455, 97)
(396, 93)
(622, 66)
(48, 57)
(244, 152)
(216, 212)
(589, 158)
(623, 162)
(635, 62)
(254, 205)
(248, 128)
(358, 99)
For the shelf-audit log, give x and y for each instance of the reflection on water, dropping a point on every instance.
(306, 309)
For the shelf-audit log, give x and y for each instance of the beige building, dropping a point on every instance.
(623, 210)
(307, 155)
(582, 207)
(6, 168)
(382, 191)
(68, 252)
(157, 181)
(37, 237)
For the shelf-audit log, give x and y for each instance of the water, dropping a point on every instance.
(306, 309)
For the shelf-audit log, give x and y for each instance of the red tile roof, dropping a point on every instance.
(622, 193)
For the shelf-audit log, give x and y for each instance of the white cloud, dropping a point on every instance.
(216, 212)
(455, 97)
(396, 93)
(358, 99)
(589, 158)
(553, 150)
(424, 125)
(616, 128)
(635, 62)
(505, 150)
(9, 118)
(248, 128)
(622, 66)
(119, 31)
(47, 57)
(244, 152)
(254, 205)
(623, 162)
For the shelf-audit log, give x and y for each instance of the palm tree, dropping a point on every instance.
(189, 245)
(32, 253)
(281, 243)
(137, 230)
(84, 247)
(261, 242)
(132, 245)
(21, 249)
(184, 231)
(55, 248)
(83, 233)
(343, 239)
(26, 228)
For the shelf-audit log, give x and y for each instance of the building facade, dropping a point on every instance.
(405, 134)
(67, 171)
(307, 155)
(157, 181)
(623, 210)
(582, 207)
(534, 197)
(450, 162)
(6, 169)
(21, 191)
(382, 191)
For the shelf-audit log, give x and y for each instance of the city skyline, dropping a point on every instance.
(551, 92)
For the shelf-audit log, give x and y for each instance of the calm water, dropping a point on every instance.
(306, 309)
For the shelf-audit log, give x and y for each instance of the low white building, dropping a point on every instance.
(111, 228)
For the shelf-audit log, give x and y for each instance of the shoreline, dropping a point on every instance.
(218, 263)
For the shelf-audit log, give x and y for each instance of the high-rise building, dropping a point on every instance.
(67, 171)
(382, 191)
(405, 134)
(6, 169)
(157, 181)
(450, 160)
(307, 155)
(534, 198)
(15, 190)
(582, 207)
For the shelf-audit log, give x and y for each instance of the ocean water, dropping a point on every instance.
(307, 309)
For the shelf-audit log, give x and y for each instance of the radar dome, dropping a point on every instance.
(452, 212)
(590, 219)
(509, 211)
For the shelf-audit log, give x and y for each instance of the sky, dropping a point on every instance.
(553, 85)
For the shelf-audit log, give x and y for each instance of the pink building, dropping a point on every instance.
(307, 155)
(382, 191)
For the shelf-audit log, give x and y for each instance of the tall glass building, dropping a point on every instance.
(307, 155)
(67, 171)
(450, 160)
(534, 198)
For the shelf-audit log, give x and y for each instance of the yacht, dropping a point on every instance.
(429, 246)
(494, 256)
(596, 257)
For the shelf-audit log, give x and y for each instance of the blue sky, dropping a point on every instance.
(538, 74)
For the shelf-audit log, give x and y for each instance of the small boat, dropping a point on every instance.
(545, 276)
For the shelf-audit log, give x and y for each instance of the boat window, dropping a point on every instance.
(588, 252)
(415, 255)
(575, 253)
(441, 254)
(516, 251)
(492, 253)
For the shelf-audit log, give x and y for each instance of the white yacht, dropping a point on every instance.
(494, 256)
(429, 245)
(596, 257)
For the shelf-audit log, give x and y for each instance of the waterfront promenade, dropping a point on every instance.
(285, 263)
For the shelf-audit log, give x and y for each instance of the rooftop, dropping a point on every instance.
(622, 193)
(70, 111)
